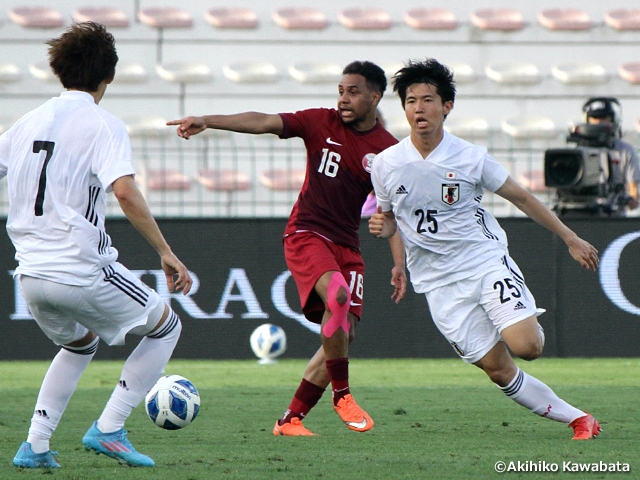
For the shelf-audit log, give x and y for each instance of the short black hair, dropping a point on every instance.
(429, 71)
(373, 74)
(83, 56)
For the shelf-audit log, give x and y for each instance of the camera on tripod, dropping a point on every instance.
(586, 178)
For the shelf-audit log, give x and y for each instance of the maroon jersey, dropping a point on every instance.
(338, 178)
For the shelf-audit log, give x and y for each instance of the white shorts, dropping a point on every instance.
(472, 312)
(116, 303)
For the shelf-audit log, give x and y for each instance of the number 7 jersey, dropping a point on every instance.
(60, 160)
(447, 234)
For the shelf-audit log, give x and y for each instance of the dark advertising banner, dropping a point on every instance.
(241, 281)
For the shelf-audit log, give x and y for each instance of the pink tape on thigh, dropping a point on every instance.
(339, 312)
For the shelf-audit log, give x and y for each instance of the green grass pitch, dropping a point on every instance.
(435, 419)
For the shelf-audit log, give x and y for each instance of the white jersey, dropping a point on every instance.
(59, 160)
(447, 234)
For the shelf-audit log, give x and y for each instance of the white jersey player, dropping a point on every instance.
(60, 160)
(430, 187)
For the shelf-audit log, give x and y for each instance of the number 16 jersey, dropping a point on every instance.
(447, 234)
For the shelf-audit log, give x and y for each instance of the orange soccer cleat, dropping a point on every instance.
(352, 415)
(585, 428)
(295, 428)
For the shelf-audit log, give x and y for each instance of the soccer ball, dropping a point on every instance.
(173, 402)
(268, 342)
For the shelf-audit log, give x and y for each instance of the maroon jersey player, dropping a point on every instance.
(321, 243)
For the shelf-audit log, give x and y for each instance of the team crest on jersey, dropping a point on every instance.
(450, 193)
(367, 161)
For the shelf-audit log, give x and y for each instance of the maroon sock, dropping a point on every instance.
(338, 369)
(303, 400)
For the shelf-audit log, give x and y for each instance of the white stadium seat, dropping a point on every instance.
(42, 71)
(251, 72)
(322, 72)
(129, 72)
(623, 19)
(467, 126)
(529, 127)
(463, 73)
(580, 73)
(514, 73)
(630, 72)
(107, 16)
(9, 73)
(36, 17)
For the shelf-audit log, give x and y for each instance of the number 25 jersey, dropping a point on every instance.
(447, 234)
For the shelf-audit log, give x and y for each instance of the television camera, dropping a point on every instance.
(586, 177)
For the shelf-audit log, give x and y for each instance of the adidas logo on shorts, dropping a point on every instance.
(519, 306)
(401, 190)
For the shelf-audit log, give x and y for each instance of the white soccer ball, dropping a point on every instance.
(173, 402)
(268, 342)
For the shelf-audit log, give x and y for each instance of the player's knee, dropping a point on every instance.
(341, 296)
(170, 328)
(530, 350)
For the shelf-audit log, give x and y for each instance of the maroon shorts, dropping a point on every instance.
(308, 256)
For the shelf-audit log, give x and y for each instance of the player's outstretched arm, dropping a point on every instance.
(247, 122)
(135, 208)
(582, 251)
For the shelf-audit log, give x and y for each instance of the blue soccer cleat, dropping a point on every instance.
(115, 445)
(25, 458)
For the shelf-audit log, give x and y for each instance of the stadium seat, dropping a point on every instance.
(636, 126)
(467, 126)
(283, 179)
(463, 73)
(623, 19)
(365, 18)
(36, 17)
(322, 72)
(128, 72)
(251, 72)
(514, 73)
(430, 19)
(580, 73)
(9, 73)
(107, 16)
(505, 19)
(183, 74)
(533, 181)
(223, 180)
(529, 127)
(295, 18)
(161, 18)
(630, 72)
(42, 71)
(234, 17)
(164, 180)
(567, 19)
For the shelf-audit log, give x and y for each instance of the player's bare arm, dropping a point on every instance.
(398, 272)
(582, 251)
(135, 208)
(247, 122)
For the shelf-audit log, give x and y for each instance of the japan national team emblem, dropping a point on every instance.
(367, 161)
(450, 193)
(450, 175)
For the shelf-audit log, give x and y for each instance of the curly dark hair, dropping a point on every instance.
(83, 56)
(429, 71)
(373, 74)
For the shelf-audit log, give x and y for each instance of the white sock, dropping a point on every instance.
(531, 393)
(57, 387)
(140, 373)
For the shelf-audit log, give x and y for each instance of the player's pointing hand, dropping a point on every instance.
(188, 126)
(584, 253)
